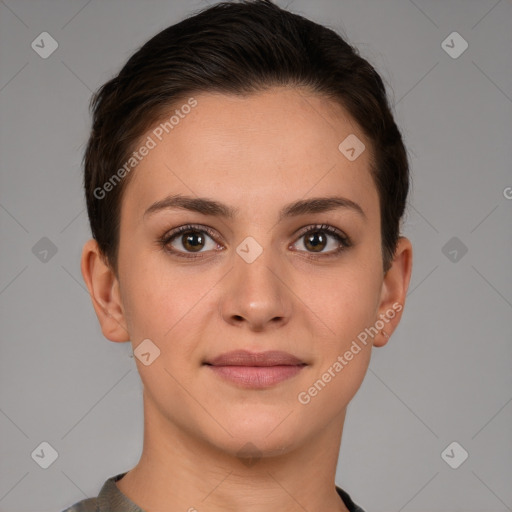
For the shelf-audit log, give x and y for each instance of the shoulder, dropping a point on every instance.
(88, 505)
(108, 499)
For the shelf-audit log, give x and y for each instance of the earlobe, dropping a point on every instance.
(103, 288)
(394, 290)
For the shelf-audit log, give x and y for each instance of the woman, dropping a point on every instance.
(245, 183)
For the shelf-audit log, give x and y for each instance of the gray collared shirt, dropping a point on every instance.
(111, 499)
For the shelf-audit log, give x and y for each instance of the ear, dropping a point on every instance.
(103, 287)
(394, 290)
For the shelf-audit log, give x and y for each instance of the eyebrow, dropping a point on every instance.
(207, 206)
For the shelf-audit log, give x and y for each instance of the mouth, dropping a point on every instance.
(256, 370)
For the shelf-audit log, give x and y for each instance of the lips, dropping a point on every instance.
(245, 358)
(255, 370)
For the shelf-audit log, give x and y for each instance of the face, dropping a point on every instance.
(253, 293)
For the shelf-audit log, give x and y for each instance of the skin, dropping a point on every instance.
(257, 154)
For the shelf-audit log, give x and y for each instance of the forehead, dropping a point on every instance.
(275, 147)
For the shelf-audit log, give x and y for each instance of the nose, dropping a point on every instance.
(255, 295)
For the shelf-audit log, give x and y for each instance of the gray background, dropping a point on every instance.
(445, 376)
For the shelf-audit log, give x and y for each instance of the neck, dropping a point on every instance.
(180, 471)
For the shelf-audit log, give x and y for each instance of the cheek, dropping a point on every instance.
(348, 308)
(161, 304)
(346, 300)
(330, 391)
(141, 292)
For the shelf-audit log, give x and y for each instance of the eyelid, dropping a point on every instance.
(191, 227)
(323, 227)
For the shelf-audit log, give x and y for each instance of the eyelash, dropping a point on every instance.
(168, 237)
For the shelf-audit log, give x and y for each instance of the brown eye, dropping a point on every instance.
(187, 240)
(315, 241)
(322, 240)
(193, 241)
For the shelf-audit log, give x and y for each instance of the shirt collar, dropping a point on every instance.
(111, 499)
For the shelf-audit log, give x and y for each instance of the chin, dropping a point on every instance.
(250, 449)
(261, 435)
